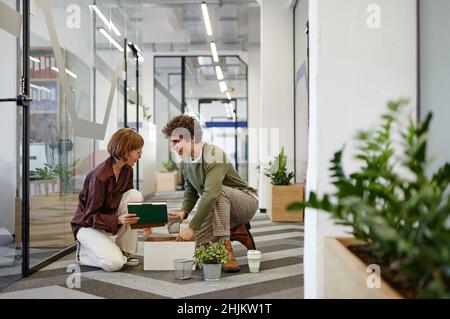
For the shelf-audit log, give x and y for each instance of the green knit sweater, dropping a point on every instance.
(204, 179)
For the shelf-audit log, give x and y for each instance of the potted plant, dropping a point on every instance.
(398, 210)
(210, 258)
(282, 191)
(46, 174)
(66, 173)
(168, 179)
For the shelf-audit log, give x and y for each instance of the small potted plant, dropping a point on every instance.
(283, 192)
(210, 258)
(46, 174)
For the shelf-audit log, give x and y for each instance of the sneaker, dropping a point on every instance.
(77, 254)
(131, 261)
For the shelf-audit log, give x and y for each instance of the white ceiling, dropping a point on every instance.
(167, 25)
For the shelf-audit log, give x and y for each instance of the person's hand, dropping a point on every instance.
(186, 235)
(127, 219)
(174, 217)
(180, 214)
(148, 231)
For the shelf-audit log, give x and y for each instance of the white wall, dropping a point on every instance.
(354, 72)
(435, 77)
(277, 89)
(254, 119)
(301, 91)
(149, 163)
(8, 138)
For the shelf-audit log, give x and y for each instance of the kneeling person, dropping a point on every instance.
(227, 203)
(101, 224)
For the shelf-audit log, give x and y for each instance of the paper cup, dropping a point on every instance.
(254, 260)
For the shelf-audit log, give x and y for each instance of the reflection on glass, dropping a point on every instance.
(67, 97)
(10, 159)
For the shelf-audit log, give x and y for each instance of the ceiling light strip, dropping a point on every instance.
(214, 51)
(111, 40)
(223, 86)
(219, 73)
(100, 15)
(206, 19)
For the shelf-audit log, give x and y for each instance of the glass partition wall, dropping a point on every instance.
(77, 82)
(434, 52)
(11, 123)
(190, 85)
(77, 54)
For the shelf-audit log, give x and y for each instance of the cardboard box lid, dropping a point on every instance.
(157, 237)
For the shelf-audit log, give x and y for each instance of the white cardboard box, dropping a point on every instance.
(159, 254)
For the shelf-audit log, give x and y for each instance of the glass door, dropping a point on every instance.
(11, 122)
(223, 127)
(216, 92)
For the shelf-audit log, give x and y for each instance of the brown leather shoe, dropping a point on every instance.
(231, 265)
(242, 234)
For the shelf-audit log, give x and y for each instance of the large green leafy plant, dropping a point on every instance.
(277, 170)
(213, 253)
(403, 217)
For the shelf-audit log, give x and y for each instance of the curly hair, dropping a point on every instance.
(185, 126)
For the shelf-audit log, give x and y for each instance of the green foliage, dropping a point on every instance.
(277, 170)
(213, 253)
(48, 172)
(45, 173)
(169, 165)
(405, 218)
(66, 172)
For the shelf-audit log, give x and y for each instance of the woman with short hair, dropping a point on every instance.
(101, 224)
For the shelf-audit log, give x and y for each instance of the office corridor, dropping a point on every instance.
(280, 276)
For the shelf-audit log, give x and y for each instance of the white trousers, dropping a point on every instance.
(99, 248)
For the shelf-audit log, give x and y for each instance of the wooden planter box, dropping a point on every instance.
(166, 181)
(282, 196)
(346, 275)
(49, 220)
(179, 179)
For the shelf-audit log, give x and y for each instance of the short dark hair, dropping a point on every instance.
(184, 123)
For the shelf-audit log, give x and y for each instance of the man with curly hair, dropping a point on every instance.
(226, 203)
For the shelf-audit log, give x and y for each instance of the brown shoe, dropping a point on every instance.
(231, 265)
(242, 234)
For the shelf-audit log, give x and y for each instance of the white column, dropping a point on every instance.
(148, 161)
(355, 69)
(277, 88)
(254, 111)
